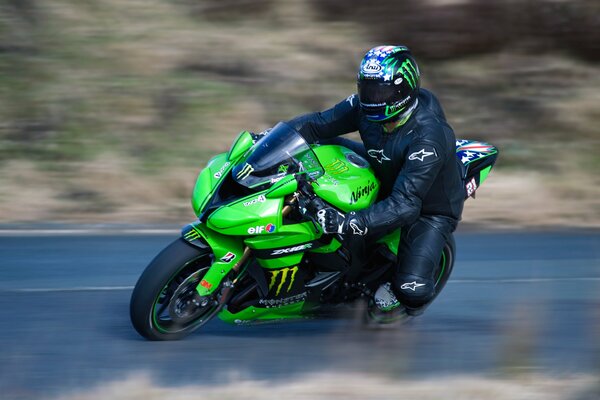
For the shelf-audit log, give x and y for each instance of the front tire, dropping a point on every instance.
(164, 303)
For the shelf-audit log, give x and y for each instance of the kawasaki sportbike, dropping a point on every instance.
(256, 254)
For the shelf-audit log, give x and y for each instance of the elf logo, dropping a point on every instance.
(270, 228)
(289, 250)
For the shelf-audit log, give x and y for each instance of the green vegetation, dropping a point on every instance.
(109, 108)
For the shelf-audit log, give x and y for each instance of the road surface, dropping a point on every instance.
(516, 302)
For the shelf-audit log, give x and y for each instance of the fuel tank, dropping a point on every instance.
(349, 182)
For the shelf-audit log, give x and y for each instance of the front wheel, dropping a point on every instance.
(165, 304)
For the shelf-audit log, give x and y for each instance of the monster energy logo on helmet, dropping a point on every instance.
(388, 83)
(409, 72)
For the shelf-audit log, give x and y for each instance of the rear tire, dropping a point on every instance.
(374, 318)
(164, 303)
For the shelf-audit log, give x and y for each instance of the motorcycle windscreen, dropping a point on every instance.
(282, 152)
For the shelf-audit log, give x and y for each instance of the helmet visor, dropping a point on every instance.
(372, 93)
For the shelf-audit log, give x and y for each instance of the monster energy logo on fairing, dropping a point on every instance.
(191, 235)
(409, 72)
(245, 172)
(337, 167)
(283, 274)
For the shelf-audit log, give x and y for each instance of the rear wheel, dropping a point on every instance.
(444, 268)
(165, 304)
(375, 317)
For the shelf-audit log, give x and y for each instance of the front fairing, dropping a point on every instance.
(280, 153)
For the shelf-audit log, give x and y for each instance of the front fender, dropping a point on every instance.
(226, 250)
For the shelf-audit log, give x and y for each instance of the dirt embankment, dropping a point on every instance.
(108, 110)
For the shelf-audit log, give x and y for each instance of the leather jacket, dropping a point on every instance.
(416, 163)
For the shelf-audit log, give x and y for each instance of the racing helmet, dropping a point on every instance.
(388, 83)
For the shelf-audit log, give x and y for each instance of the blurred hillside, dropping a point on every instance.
(109, 108)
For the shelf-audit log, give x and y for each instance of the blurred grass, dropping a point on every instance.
(356, 386)
(99, 97)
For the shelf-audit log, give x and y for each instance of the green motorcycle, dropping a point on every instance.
(256, 254)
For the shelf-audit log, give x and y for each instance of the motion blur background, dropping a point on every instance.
(109, 108)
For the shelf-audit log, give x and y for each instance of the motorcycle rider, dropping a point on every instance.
(411, 148)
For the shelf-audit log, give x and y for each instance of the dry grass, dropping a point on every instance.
(354, 386)
(120, 103)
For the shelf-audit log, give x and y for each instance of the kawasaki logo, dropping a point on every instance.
(289, 250)
(282, 275)
(362, 191)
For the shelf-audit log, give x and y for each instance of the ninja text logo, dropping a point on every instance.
(279, 277)
(362, 191)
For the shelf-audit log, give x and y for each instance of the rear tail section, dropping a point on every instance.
(477, 159)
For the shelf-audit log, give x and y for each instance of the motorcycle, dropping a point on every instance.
(256, 254)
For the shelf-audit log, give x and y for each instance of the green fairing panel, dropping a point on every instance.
(254, 214)
(216, 169)
(281, 262)
(483, 174)
(392, 241)
(240, 145)
(349, 182)
(226, 249)
(284, 236)
(247, 315)
(331, 247)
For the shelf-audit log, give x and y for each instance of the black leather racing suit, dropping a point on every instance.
(421, 187)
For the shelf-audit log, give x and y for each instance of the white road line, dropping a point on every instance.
(79, 232)
(454, 281)
(525, 280)
(73, 289)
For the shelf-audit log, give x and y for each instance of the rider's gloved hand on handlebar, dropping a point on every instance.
(334, 222)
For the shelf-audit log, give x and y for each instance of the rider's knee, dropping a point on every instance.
(412, 290)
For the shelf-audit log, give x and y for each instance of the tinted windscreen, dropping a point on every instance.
(282, 152)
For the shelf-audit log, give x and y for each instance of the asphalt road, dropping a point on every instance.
(516, 302)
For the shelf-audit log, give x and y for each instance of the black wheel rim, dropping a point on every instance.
(177, 306)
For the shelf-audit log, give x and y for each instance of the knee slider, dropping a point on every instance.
(412, 290)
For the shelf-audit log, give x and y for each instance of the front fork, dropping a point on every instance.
(226, 250)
